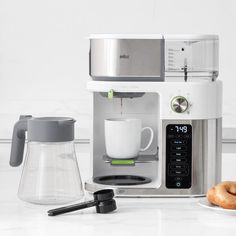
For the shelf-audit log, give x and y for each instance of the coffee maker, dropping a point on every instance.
(170, 83)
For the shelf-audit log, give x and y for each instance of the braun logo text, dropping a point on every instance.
(124, 56)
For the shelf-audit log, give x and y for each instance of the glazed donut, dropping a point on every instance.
(223, 195)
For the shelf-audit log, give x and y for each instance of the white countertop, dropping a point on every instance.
(149, 216)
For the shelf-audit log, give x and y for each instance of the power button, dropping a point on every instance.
(178, 184)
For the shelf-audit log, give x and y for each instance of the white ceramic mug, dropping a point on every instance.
(123, 137)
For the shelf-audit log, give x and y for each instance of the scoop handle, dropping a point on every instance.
(18, 141)
(75, 207)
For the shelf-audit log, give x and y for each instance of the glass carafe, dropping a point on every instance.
(50, 174)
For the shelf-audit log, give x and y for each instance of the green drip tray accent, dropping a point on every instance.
(122, 162)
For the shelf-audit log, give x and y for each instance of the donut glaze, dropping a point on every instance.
(223, 195)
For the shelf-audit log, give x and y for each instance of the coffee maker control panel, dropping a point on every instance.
(178, 156)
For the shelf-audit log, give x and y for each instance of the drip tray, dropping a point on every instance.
(121, 180)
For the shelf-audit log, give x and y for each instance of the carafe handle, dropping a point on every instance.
(18, 141)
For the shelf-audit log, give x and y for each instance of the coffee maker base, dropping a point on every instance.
(141, 191)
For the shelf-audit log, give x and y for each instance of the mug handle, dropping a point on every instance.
(150, 140)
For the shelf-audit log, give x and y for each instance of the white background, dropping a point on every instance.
(44, 50)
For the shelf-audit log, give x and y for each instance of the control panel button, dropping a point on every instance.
(178, 178)
(179, 104)
(178, 172)
(178, 148)
(178, 154)
(177, 160)
(179, 142)
(178, 166)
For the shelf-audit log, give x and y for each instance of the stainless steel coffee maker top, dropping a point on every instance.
(133, 58)
(153, 57)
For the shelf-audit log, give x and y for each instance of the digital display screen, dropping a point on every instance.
(181, 129)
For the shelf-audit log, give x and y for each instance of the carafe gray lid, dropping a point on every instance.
(51, 129)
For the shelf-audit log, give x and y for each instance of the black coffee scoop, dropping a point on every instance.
(103, 201)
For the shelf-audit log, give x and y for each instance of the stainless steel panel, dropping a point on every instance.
(127, 59)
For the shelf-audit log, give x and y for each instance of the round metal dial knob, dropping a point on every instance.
(179, 104)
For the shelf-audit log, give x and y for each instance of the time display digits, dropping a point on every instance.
(181, 128)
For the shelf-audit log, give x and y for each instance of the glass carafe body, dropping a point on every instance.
(50, 174)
